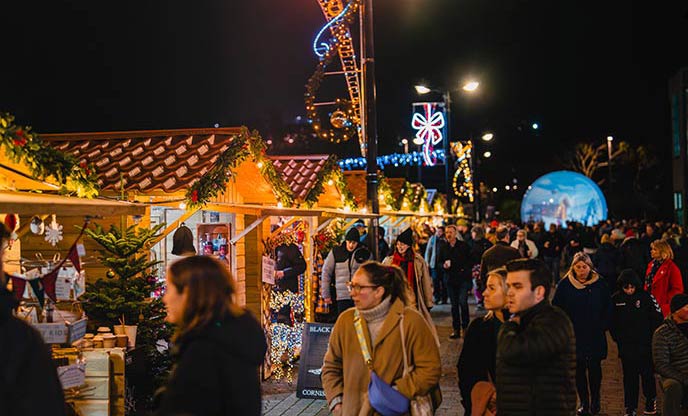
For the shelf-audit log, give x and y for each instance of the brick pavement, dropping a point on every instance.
(283, 401)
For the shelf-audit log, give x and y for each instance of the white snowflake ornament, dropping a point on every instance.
(53, 232)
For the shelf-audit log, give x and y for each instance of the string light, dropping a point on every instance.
(429, 124)
(462, 182)
(394, 159)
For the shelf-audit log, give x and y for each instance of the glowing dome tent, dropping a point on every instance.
(563, 196)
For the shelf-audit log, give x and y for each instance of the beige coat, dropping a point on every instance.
(345, 374)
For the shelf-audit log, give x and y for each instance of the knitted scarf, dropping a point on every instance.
(405, 262)
(651, 275)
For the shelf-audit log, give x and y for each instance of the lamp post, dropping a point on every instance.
(469, 87)
(475, 153)
(610, 139)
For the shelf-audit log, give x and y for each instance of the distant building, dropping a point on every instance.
(678, 100)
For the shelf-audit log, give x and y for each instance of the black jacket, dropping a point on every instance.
(607, 259)
(291, 262)
(589, 309)
(461, 263)
(478, 359)
(552, 244)
(670, 351)
(28, 377)
(634, 255)
(536, 364)
(478, 248)
(216, 371)
(634, 319)
(497, 256)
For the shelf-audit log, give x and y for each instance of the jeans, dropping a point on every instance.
(589, 370)
(458, 295)
(439, 288)
(632, 370)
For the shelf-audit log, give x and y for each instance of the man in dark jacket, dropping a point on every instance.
(634, 255)
(498, 255)
(552, 244)
(606, 260)
(455, 258)
(635, 317)
(536, 348)
(288, 266)
(479, 245)
(670, 354)
(25, 362)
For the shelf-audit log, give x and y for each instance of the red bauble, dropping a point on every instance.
(194, 195)
(11, 221)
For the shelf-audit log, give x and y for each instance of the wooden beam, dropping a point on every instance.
(174, 225)
(323, 225)
(285, 225)
(247, 230)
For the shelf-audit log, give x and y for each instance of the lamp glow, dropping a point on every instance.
(418, 141)
(471, 86)
(487, 137)
(422, 89)
(487, 154)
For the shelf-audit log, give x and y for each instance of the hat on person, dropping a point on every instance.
(353, 235)
(182, 241)
(580, 256)
(629, 277)
(359, 223)
(406, 237)
(678, 301)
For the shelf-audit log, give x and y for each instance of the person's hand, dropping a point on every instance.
(546, 244)
(327, 301)
(279, 274)
(446, 264)
(528, 253)
(337, 409)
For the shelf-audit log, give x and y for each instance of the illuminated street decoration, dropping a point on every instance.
(334, 40)
(463, 177)
(428, 120)
(395, 159)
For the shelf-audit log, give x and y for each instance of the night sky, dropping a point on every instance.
(581, 69)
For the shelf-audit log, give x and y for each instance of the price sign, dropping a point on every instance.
(268, 270)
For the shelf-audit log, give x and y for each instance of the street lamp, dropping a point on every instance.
(469, 87)
(487, 137)
(610, 139)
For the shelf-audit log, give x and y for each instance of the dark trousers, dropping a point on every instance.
(674, 397)
(439, 286)
(458, 295)
(589, 374)
(343, 305)
(633, 369)
(553, 264)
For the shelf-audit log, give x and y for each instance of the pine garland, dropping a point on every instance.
(330, 171)
(44, 161)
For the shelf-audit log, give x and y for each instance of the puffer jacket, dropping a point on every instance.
(670, 351)
(341, 264)
(536, 364)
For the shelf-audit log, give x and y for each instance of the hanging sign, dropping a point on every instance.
(268, 266)
(429, 120)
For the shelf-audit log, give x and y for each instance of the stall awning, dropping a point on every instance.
(28, 203)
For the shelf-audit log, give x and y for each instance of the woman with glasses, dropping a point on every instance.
(586, 299)
(663, 278)
(372, 329)
(635, 317)
(416, 273)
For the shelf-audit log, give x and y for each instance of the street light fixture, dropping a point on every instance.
(422, 89)
(418, 141)
(471, 86)
(487, 154)
(487, 137)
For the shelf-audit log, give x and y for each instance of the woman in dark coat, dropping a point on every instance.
(217, 347)
(477, 361)
(587, 301)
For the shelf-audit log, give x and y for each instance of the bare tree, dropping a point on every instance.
(588, 159)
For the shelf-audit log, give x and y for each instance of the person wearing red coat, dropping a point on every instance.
(663, 278)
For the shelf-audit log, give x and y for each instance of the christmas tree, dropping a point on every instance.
(130, 292)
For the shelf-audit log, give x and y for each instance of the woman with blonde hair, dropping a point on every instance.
(477, 361)
(662, 278)
(218, 346)
(371, 341)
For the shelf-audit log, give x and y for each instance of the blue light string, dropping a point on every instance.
(322, 48)
(395, 159)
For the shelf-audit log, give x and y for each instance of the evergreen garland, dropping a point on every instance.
(44, 161)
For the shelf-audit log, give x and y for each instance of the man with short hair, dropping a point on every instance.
(670, 355)
(432, 254)
(455, 259)
(536, 348)
(498, 255)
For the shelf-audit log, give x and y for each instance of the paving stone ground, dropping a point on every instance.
(280, 399)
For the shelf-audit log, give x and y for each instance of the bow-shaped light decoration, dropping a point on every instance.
(429, 126)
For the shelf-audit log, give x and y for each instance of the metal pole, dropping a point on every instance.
(369, 119)
(609, 170)
(447, 153)
(476, 182)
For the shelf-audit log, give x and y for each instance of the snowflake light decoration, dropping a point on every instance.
(53, 232)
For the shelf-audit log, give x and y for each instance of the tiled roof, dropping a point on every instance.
(166, 160)
(299, 172)
(356, 181)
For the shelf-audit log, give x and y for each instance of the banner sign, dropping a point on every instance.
(314, 342)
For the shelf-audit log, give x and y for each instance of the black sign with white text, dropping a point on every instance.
(313, 349)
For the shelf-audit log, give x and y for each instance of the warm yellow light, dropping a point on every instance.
(487, 137)
(330, 182)
(182, 205)
(487, 154)
(260, 165)
(422, 89)
(280, 205)
(471, 86)
(364, 210)
(347, 208)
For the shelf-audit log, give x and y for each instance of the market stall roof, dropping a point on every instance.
(28, 203)
(304, 173)
(148, 160)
